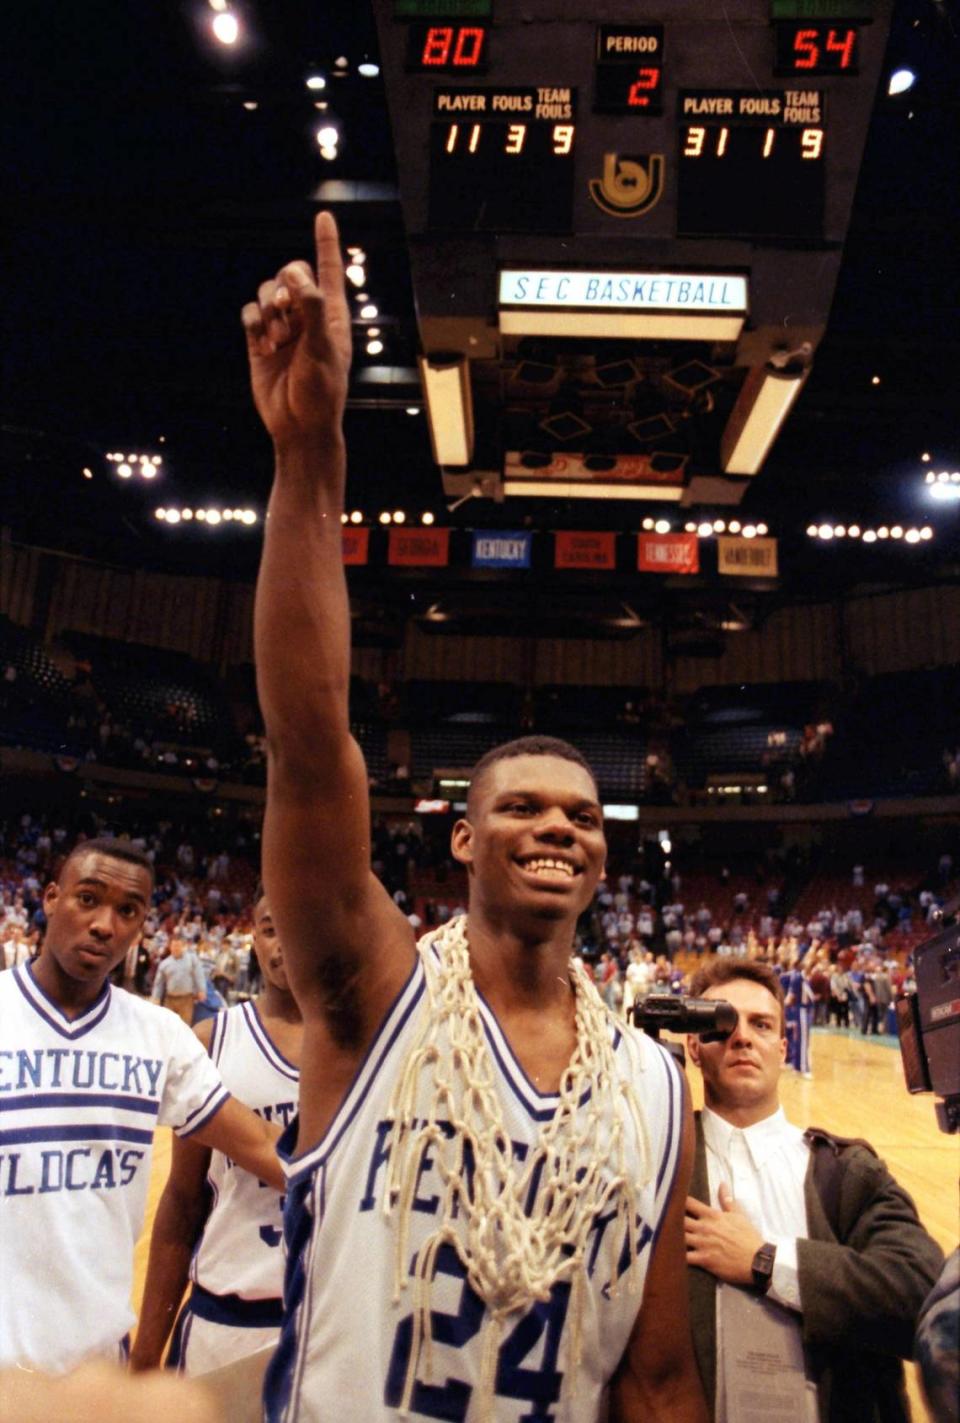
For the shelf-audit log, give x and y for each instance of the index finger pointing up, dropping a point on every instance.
(329, 259)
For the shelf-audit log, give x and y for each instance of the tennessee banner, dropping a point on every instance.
(419, 548)
(356, 543)
(573, 550)
(751, 558)
(668, 553)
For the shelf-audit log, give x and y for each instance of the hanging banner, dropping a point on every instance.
(499, 548)
(575, 550)
(419, 548)
(750, 558)
(356, 545)
(668, 553)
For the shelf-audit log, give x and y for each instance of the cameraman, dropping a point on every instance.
(808, 1264)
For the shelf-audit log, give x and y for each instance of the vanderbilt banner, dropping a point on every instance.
(751, 558)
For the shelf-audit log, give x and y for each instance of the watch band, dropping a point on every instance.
(762, 1267)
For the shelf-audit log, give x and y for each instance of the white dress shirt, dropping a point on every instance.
(764, 1166)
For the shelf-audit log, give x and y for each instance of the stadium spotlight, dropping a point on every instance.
(662, 526)
(426, 517)
(900, 81)
(399, 517)
(356, 517)
(384, 516)
(226, 27)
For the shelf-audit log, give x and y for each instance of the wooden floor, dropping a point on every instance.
(857, 1090)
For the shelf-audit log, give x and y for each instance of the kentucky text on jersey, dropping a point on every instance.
(427, 1203)
(79, 1068)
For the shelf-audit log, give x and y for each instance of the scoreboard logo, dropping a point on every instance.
(631, 185)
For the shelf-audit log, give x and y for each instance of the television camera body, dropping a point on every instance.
(928, 1022)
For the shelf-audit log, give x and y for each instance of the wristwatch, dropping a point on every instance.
(762, 1267)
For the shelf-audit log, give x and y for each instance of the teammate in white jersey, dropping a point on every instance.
(486, 1182)
(87, 1072)
(215, 1222)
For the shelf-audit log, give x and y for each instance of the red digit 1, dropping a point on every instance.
(843, 47)
(805, 45)
(469, 46)
(646, 80)
(436, 50)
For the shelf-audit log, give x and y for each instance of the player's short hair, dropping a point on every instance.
(526, 746)
(115, 850)
(716, 971)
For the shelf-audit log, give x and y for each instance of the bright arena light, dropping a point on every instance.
(704, 530)
(316, 82)
(368, 69)
(399, 517)
(811, 531)
(662, 526)
(356, 274)
(926, 532)
(869, 536)
(762, 530)
(249, 517)
(124, 470)
(384, 517)
(912, 536)
(648, 524)
(854, 531)
(160, 514)
(369, 312)
(173, 516)
(329, 154)
(719, 526)
(356, 517)
(734, 526)
(426, 517)
(840, 532)
(187, 514)
(374, 348)
(226, 27)
(900, 81)
(825, 531)
(749, 532)
(328, 136)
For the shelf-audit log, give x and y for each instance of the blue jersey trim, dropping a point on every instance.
(675, 1080)
(33, 1101)
(359, 1089)
(23, 1136)
(71, 1028)
(218, 1098)
(266, 1045)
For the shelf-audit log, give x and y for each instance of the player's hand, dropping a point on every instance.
(298, 342)
(722, 1241)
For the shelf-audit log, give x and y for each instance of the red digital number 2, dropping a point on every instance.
(639, 93)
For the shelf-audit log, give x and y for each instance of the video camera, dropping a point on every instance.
(712, 1019)
(928, 1022)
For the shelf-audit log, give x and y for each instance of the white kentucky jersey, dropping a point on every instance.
(347, 1340)
(79, 1101)
(240, 1250)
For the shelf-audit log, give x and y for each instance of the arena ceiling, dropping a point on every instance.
(151, 179)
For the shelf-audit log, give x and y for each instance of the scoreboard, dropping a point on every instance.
(632, 139)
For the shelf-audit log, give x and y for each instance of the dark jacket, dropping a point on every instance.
(865, 1270)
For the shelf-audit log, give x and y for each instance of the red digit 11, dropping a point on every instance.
(843, 47)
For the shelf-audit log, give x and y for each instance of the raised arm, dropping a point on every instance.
(334, 917)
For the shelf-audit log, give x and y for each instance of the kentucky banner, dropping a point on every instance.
(575, 550)
(668, 553)
(498, 548)
(749, 558)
